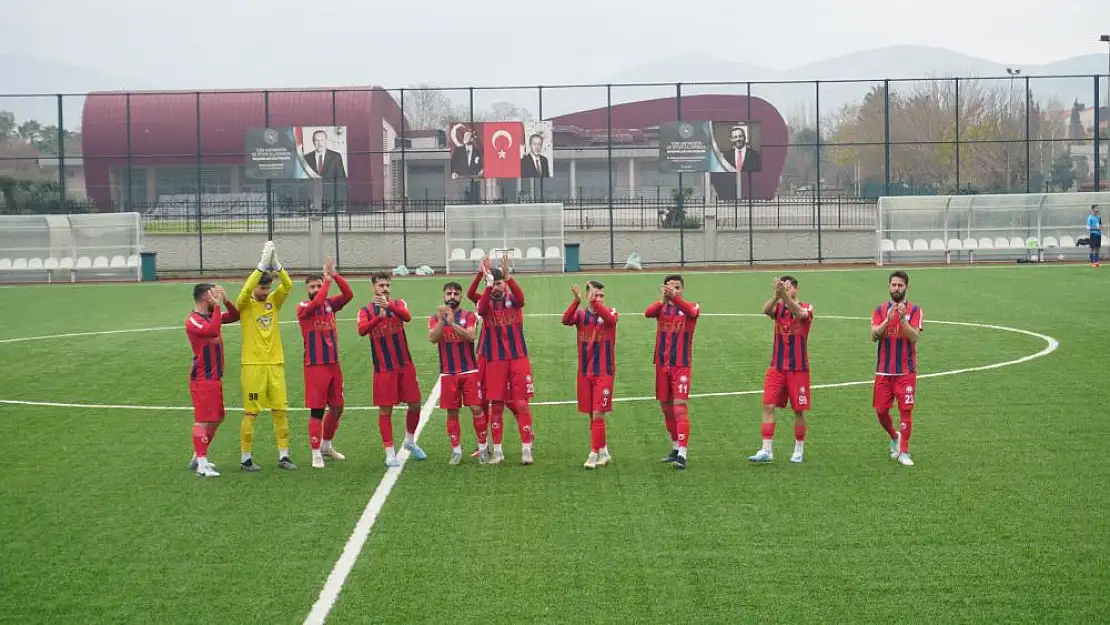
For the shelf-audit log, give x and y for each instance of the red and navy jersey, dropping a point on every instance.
(456, 354)
(389, 347)
(503, 324)
(597, 338)
(896, 354)
(317, 320)
(208, 343)
(790, 351)
(676, 321)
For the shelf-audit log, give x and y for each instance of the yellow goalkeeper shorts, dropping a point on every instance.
(263, 388)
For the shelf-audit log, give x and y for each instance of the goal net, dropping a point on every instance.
(950, 228)
(70, 248)
(532, 235)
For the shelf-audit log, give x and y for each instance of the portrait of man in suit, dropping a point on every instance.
(534, 164)
(327, 164)
(466, 159)
(740, 154)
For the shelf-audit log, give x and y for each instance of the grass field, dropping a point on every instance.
(1003, 519)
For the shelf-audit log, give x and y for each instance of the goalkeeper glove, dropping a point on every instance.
(274, 262)
(267, 254)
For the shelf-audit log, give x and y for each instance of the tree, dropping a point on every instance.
(1062, 175)
(503, 111)
(1075, 125)
(429, 108)
(7, 124)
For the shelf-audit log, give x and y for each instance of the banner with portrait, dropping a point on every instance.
(710, 147)
(297, 153)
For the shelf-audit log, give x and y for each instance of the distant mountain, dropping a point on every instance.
(29, 75)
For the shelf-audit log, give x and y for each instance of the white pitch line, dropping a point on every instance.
(1051, 345)
(361, 533)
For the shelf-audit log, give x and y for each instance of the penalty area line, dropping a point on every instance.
(346, 562)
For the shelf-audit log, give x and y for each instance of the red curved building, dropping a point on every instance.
(168, 130)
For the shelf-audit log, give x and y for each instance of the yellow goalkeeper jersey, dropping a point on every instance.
(259, 320)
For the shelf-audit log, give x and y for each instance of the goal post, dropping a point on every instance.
(531, 233)
(70, 248)
(951, 228)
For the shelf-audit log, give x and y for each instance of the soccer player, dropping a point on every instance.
(473, 294)
(597, 365)
(206, 375)
(323, 377)
(383, 320)
(453, 329)
(787, 377)
(676, 320)
(507, 375)
(1094, 231)
(896, 326)
(263, 379)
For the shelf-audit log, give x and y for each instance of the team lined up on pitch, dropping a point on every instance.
(485, 367)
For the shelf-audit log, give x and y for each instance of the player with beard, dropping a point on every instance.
(896, 326)
(507, 374)
(453, 329)
(206, 385)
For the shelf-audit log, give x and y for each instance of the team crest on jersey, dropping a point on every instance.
(327, 308)
(598, 320)
(268, 306)
(508, 303)
(264, 322)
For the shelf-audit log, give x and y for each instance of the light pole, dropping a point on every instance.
(1106, 39)
(1014, 72)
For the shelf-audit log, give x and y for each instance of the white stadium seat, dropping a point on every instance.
(51, 264)
(65, 263)
(517, 253)
(1065, 241)
(920, 245)
(458, 254)
(888, 245)
(5, 264)
(533, 252)
(985, 243)
(117, 262)
(903, 245)
(937, 245)
(35, 263)
(477, 254)
(954, 244)
(84, 263)
(19, 264)
(552, 252)
(1050, 242)
(133, 261)
(971, 244)
(1001, 243)
(100, 262)
(1015, 242)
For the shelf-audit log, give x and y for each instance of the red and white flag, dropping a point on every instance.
(502, 142)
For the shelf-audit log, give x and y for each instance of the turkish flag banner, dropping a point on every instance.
(503, 142)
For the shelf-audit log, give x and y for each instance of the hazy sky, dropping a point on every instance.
(251, 43)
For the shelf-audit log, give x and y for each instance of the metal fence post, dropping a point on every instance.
(886, 137)
(335, 186)
(1098, 139)
(539, 89)
(957, 147)
(751, 207)
(1028, 152)
(130, 181)
(269, 183)
(200, 213)
(62, 157)
(609, 167)
(817, 191)
(680, 200)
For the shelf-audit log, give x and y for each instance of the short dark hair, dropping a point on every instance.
(535, 135)
(674, 276)
(905, 277)
(266, 279)
(594, 284)
(202, 289)
(497, 274)
(453, 285)
(319, 132)
(313, 277)
(791, 279)
(378, 277)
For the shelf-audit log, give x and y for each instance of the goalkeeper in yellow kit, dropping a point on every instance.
(263, 378)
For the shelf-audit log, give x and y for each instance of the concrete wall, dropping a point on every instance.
(362, 250)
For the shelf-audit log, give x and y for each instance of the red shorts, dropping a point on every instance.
(782, 386)
(672, 383)
(463, 389)
(595, 393)
(208, 400)
(508, 380)
(323, 386)
(392, 388)
(891, 389)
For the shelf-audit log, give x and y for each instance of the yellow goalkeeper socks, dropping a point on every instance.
(281, 432)
(246, 436)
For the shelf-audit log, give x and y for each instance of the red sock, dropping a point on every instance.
(907, 430)
(800, 433)
(385, 425)
(315, 430)
(597, 434)
(201, 440)
(682, 424)
(453, 430)
(523, 416)
(888, 425)
(481, 427)
(497, 421)
(669, 419)
(331, 422)
(412, 419)
(767, 430)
